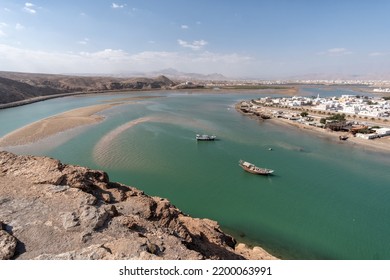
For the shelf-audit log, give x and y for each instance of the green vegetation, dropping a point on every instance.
(365, 131)
(336, 118)
(304, 114)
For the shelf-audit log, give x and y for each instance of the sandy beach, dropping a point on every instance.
(55, 124)
(376, 145)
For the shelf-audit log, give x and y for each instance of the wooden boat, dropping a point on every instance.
(205, 137)
(251, 168)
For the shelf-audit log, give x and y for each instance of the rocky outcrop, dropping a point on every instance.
(7, 244)
(51, 210)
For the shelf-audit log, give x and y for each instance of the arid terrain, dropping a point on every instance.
(16, 87)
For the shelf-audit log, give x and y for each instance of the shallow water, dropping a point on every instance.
(325, 201)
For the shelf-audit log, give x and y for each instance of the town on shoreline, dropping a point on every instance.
(17, 89)
(360, 119)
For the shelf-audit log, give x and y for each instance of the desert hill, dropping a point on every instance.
(16, 87)
(11, 90)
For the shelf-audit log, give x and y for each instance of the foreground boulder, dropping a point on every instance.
(7, 244)
(57, 211)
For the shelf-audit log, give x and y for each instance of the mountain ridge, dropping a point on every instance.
(17, 87)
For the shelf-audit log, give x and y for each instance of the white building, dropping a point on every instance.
(384, 131)
(367, 136)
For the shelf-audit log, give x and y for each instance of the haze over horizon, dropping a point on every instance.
(248, 38)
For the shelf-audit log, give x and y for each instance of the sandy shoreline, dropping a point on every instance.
(87, 115)
(376, 145)
(50, 126)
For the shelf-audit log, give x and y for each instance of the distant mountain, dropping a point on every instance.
(174, 74)
(20, 86)
(179, 76)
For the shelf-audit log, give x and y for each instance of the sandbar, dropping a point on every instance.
(102, 153)
(50, 126)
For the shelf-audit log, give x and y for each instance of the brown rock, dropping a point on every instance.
(69, 220)
(7, 245)
(255, 253)
(60, 211)
(94, 252)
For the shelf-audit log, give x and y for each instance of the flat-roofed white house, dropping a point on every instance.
(384, 131)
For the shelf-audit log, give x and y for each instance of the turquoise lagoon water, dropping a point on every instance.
(327, 200)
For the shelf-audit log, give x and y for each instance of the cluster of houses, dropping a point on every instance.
(349, 105)
(381, 89)
(376, 107)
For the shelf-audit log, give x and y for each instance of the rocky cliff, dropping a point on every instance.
(50, 210)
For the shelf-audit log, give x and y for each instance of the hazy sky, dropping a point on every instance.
(256, 38)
